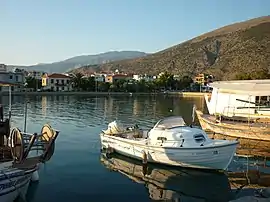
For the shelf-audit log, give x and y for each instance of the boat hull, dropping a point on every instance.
(214, 158)
(232, 129)
(15, 184)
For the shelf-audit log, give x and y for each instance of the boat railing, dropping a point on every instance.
(227, 110)
(38, 141)
(29, 135)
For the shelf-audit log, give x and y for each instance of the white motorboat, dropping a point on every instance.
(170, 142)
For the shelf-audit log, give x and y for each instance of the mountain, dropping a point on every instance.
(75, 62)
(226, 53)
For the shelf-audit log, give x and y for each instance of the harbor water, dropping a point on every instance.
(79, 172)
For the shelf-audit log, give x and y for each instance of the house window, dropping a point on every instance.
(52, 80)
(63, 81)
(17, 78)
(63, 88)
(67, 81)
(10, 77)
(57, 81)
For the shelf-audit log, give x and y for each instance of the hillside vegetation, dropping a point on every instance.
(235, 51)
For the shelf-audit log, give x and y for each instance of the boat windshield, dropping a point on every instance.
(170, 122)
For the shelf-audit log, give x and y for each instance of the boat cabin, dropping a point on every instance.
(239, 98)
(173, 131)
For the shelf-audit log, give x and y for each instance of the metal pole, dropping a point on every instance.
(9, 111)
(25, 111)
(25, 116)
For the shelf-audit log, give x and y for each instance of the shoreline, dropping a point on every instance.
(181, 94)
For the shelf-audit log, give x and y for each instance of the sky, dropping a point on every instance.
(44, 31)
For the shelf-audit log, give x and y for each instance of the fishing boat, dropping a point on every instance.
(171, 141)
(21, 154)
(239, 109)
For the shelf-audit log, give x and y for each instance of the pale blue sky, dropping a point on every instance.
(40, 31)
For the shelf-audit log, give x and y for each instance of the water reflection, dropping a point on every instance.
(175, 184)
(166, 183)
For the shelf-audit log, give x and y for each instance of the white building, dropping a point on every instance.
(99, 77)
(147, 78)
(56, 82)
(15, 77)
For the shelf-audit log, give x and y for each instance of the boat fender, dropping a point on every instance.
(144, 157)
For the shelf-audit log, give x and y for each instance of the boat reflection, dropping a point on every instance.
(164, 183)
(172, 184)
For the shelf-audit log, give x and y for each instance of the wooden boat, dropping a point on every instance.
(170, 142)
(237, 129)
(20, 156)
(238, 109)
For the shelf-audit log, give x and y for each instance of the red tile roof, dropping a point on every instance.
(59, 76)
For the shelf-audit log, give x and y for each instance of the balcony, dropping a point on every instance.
(61, 84)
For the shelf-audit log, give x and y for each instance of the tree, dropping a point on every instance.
(166, 80)
(77, 80)
(32, 82)
(185, 82)
(104, 86)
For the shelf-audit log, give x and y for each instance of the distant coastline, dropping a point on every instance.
(181, 94)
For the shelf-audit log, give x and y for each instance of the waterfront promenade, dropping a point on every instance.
(181, 94)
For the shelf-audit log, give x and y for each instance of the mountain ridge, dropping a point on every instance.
(225, 52)
(76, 61)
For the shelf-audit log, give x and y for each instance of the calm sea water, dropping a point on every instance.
(79, 172)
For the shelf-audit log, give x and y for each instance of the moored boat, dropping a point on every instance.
(238, 109)
(21, 153)
(237, 129)
(170, 142)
